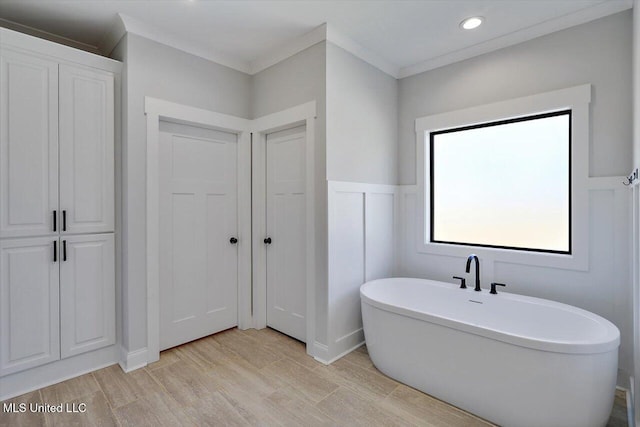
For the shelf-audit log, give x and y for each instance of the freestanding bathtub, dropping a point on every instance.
(511, 359)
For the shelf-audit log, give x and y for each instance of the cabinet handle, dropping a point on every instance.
(267, 241)
(64, 250)
(233, 240)
(55, 220)
(64, 220)
(55, 251)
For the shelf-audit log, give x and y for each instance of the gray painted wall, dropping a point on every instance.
(294, 81)
(159, 71)
(598, 52)
(362, 125)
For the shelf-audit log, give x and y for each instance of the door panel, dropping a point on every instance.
(286, 225)
(28, 144)
(198, 216)
(87, 293)
(86, 150)
(29, 322)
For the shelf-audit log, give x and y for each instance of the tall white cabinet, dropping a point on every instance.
(57, 254)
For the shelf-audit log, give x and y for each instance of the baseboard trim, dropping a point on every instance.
(327, 361)
(27, 381)
(631, 412)
(321, 352)
(130, 361)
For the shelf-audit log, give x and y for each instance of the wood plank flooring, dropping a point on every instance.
(247, 378)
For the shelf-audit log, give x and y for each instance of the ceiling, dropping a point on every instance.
(407, 35)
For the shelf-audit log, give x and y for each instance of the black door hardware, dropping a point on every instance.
(64, 220)
(64, 250)
(267, 241)
(55, 251)
(233, 240)
(55, 220)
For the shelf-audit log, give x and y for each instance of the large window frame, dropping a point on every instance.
(575, 99)
(432, 136)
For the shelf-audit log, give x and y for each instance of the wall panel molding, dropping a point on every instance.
(362, 247)
(603, 289)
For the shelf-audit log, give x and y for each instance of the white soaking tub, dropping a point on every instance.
(511, 359)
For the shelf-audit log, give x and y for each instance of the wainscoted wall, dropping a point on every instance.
(361, 248)
(602, 289)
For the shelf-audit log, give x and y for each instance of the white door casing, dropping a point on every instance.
(28, 144)
(252, 286)
(86, 150)
(87, 293)
(286, 228)
(29, 316)
(198, 217)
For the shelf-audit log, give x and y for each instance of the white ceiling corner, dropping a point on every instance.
(115, 32)
(321, 33)
(159, 35)
(356, 49)
(289, 49)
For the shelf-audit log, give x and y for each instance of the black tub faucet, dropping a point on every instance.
(471, 258)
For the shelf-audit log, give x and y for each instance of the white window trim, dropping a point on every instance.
(575, 98)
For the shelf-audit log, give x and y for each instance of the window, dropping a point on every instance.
(508, 181)
(503, 184)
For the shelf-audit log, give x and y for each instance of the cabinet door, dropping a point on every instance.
(28, 144)
(86, 150)
(29, 321)
(87, 293)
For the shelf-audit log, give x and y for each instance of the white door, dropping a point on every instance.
(198, 220)
(286, 225)
(29, 322)
(28, 144)
(86, 150)
(87, 293)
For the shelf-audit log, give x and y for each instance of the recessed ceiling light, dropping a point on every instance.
(471, 23)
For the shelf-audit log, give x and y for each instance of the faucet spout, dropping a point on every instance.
(474, 257)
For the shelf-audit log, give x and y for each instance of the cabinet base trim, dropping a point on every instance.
(42, 376)
(130, 361)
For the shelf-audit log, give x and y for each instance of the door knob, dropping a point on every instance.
(233, 240)
(267, 241)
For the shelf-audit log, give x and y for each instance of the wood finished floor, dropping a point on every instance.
(247, 378)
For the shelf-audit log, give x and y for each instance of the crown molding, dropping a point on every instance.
(324, 32)
(123, 24)
(289, 49)
(356, 49)
(25, 29)
(134, 26)
(547, 27)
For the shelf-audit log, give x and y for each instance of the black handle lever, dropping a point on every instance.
(64, 220)
(55, 220)
(267, 241)
(55, 251)
(233, 240)
(64, 250)
(493, 287)
(463, 282)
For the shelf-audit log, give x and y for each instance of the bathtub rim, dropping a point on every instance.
(610, 343)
